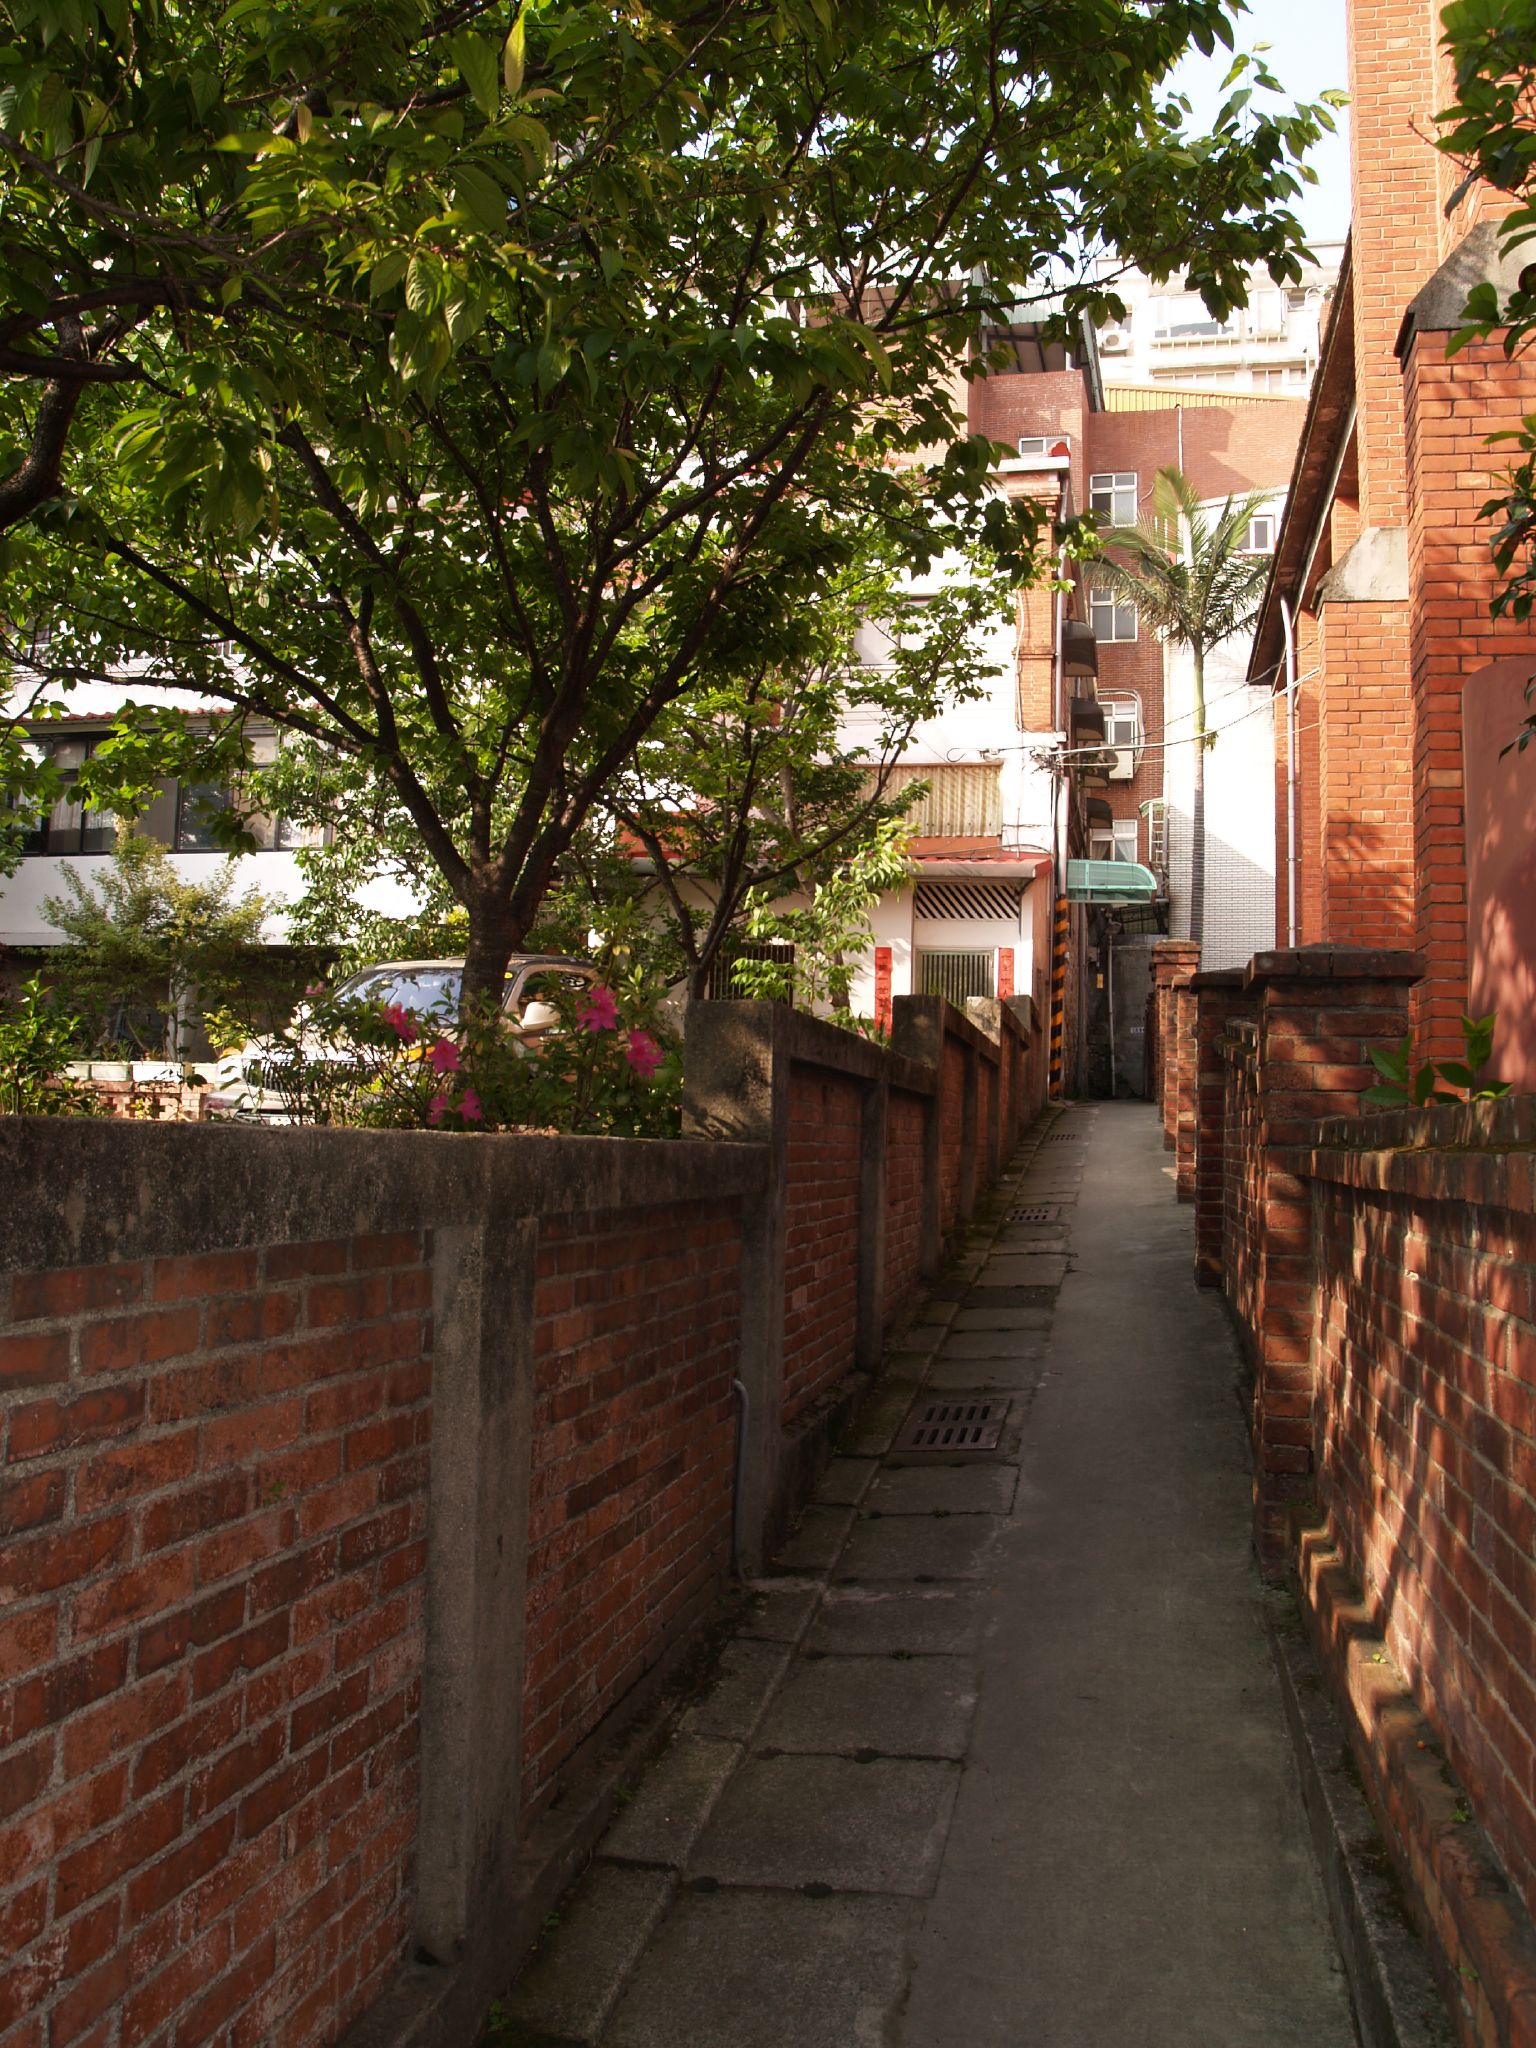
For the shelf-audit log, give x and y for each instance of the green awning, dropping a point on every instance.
(1109, 881)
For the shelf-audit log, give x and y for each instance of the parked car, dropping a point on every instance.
(428, 991)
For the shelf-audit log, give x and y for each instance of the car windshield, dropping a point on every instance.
(424, 991)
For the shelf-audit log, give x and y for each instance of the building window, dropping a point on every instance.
(877, 642)
(1112, 496)
(69, 827)
(1186, 318)
(1124, 838)
(1111, 617)
(957, 975)
(1260, 537)
(199, 805)
(1122, 724)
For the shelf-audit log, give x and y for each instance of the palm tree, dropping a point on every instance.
(1185, 570)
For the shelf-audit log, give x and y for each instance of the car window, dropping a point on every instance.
(424, 991)
(549, 984)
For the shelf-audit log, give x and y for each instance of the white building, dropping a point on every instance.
(1168, 337)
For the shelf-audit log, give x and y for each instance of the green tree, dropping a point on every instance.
(466, 389)
(1185, 570)
(149, 950)
(1487, 128)
(771, 783)
(831, 934)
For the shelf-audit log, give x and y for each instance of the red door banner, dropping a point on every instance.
(1004, 972)
(883, 987)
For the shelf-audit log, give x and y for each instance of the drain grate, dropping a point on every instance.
(1036, 1212)
(1062, 1138)
(955, 1426)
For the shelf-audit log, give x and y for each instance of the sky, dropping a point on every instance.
(1306, 53)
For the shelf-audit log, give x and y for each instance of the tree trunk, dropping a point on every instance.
(487, 950)
(1197, 811)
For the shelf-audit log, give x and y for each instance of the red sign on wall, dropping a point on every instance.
(1004, 972)
(883, 987)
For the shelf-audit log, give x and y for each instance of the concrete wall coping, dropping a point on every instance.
(1219, 977)
(1455, 1126)
(132, 1190)
(1333, 963)
(1497, 1181)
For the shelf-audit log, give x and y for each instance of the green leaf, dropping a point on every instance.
(482, 198)
(476, 58)
(387, 272)
(514, 54)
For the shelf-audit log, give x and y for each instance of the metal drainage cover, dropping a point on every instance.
(955, 1426)
(1061, 1137)
(1036, 1212)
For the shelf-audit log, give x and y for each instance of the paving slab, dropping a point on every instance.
(994, 1344)
(831, 1706)
(816, 1542)
(574, 1981)
(859, 1827)
(965, 1489)
(995, 1294)
(991, 1314)
(919, 1548)
(845, 1482)
(874, 1429)
(768, 1970)
(672, 1802)
(1020, 1374)
(1024, 1269)
(909, 1622)
(733, 1706)
(779, 1609)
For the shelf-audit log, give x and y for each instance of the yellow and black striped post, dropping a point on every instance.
(1058, 992)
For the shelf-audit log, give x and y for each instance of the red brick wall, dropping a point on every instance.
(951, 1134)
(214, 1501)
(636, 1335)
(1364, 748)
(1425, 1432)
(903, 1198)
(821, 1252)
(1451, 407)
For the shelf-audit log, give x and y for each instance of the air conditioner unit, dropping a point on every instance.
(1124, 764)
(1114, 339)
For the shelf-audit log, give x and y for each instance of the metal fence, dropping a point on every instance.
(723, 987)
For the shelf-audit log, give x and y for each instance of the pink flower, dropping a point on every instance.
(643, 1053)
(437, 1109)
(469, 1107)
(599, 1012)
(398, 1018)
(444, 1057)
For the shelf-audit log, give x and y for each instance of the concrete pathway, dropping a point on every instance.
(998, 1759)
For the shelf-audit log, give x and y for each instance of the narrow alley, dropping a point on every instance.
(997, 1758)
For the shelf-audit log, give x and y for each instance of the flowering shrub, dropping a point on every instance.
(600, 1066)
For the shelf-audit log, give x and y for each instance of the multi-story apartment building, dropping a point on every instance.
(1168, 338)
(1401, 819)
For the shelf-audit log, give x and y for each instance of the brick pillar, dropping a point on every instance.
(1319, 1010)
(1173, 962)
(1219, 996)
(1186, 1005)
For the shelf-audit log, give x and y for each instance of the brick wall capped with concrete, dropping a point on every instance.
(360, 1488)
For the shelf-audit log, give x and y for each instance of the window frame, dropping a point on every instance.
(37, 844)
(1113, 486)
(1118, 607)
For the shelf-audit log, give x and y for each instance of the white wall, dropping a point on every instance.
(1239, 804)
